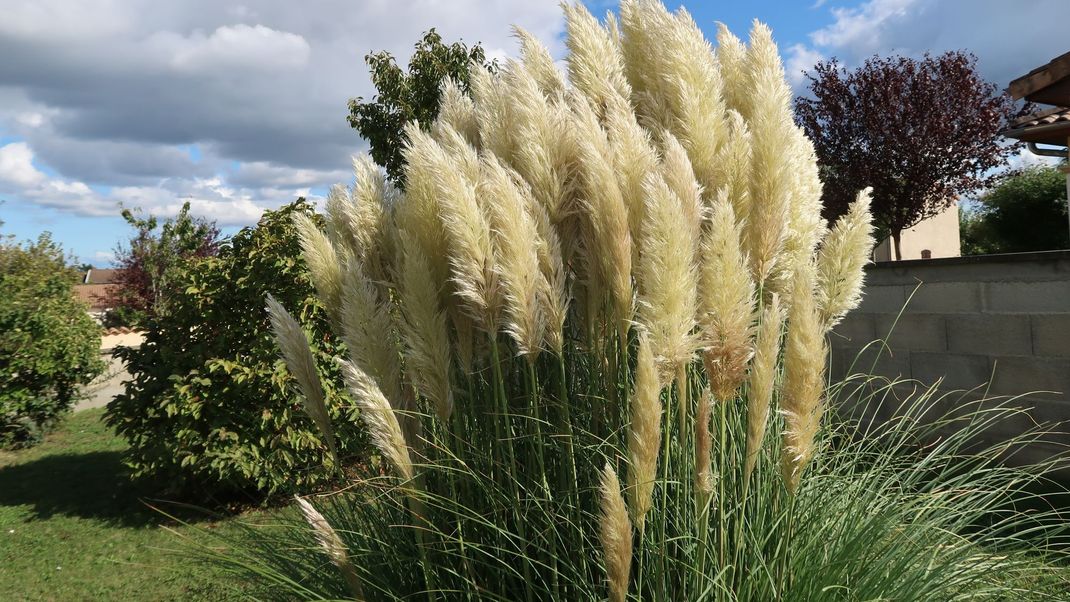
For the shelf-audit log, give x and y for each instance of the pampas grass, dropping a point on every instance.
(293, 343)
(616, 534)
(573, 264)
(332, 545)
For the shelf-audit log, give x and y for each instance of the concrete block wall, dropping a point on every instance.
(997, 321)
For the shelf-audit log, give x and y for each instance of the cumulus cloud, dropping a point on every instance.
(1009, 38)
(110, 95)
(16, 166)
(239, 47)
(800, 59)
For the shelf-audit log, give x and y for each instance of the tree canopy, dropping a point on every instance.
(406, 96)
(1026, 211)
(921, 132)
(49, 346)
(147, 263)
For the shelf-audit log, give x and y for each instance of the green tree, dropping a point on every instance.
(49, 346)
(147, 263)
(1026, 211)
(403, 97)
(209, 404)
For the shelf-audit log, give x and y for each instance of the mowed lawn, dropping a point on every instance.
(73, 527)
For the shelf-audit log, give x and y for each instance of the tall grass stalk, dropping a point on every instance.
(565, 340)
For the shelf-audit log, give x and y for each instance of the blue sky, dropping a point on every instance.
(240, 106)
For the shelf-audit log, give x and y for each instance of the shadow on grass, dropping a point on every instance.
(93, 485)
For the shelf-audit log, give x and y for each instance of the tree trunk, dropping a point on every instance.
(896, 235)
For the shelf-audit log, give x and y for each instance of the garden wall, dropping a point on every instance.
(1001, 321)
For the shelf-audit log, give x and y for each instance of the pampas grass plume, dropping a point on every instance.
(644, 433)
(615, 530)
(383, 426)
(293, 342)
(516, 254)
(424, 334)
(667, 277)
(845, 251)
(762, 381)
(324, 265)
(804, 367)
(332, 545)
(727, 302)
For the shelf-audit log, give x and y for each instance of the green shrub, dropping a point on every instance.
(210, 405)
(49, 346)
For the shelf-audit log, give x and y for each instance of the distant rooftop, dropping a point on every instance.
(95, 276)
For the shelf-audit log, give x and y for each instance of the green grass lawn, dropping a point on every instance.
(73, 527)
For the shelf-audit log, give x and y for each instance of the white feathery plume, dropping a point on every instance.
(615, 529)
(594, 60)
(727, 302)
(324, 265)
(539, 63)
(383, 426)
(423, 328)
(844, 252)
(668, 279)
(296, 352)
(369, 334)
(332, 545)
(516, 254)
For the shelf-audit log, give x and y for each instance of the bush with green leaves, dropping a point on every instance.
(1025, 212)
(49, 345)
(209, 404)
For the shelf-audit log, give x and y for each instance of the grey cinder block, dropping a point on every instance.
(916, 332)
(882, 299)
(958, 370)
(1051, 335)
(1026, 375)
(1028, 297)
(946, 297)
(992, 334)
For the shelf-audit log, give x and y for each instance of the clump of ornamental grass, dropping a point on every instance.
(589, 343)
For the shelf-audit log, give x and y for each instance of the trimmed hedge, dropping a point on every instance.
(211, 405)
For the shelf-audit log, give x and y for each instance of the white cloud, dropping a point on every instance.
(110, 95)
(31, 119)
(801, 59)
(1024, 158)
(16, 165)
(241, 47)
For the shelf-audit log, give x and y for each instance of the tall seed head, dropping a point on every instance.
(594, 61)
(324, 265)
(538, 61)
(616, 533)
(843, 254)
(424, 335)
(332, 545)
(667, 277)
(727, 303)
(369, 333)
(457, 110)
(644, 433)
(804, 370)
(383, 426)
(771, 169)
(762, 381)
(293, 342)
(516, 253)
